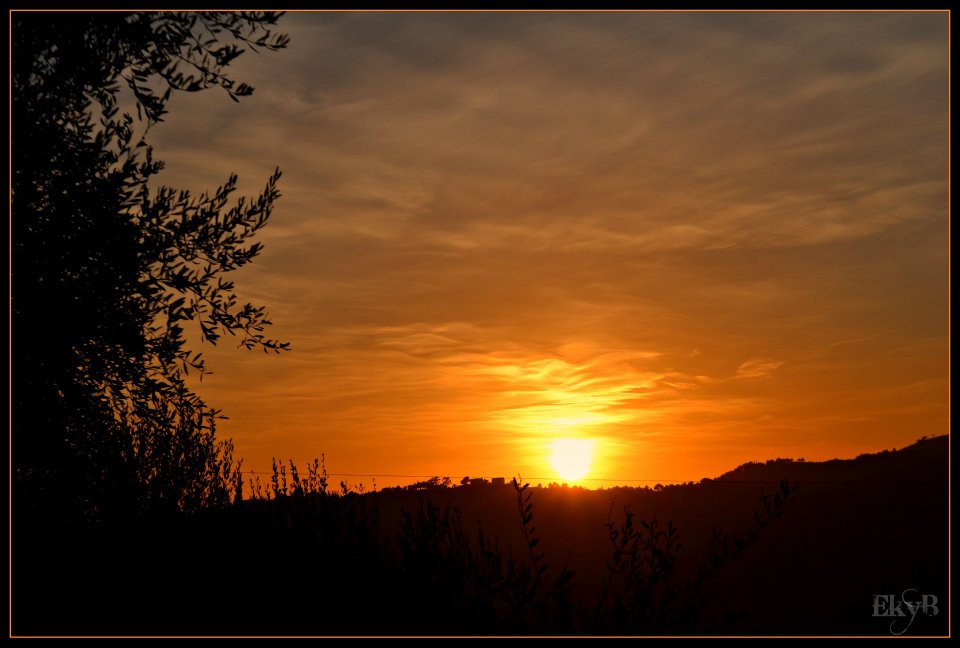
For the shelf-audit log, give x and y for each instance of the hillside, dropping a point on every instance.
(401, 562)
(873, 525)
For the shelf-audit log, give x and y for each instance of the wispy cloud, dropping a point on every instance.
(652, 225)
(758, 368)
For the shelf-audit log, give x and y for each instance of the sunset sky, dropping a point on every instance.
(689, 240)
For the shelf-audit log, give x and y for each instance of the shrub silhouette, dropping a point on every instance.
(303, 558)
(316, 560)
(452, 582)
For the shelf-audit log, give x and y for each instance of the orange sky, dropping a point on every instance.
(696, 239)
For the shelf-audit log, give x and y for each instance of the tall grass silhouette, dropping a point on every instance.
(300, 557)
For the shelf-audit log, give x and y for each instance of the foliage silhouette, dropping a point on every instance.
(326, 561)
(469, 585)
(547, 597)
(106, 272)
(641, 590)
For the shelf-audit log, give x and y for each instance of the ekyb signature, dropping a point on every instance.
(904, 609)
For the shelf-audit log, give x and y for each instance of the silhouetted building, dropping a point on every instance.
(498, 481)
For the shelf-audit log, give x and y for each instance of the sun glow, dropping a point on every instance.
(572, 458)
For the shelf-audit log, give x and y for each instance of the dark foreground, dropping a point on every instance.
(832, 548)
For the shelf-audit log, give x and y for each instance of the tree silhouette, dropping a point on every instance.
(107, 272)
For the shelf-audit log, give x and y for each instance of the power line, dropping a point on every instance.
(612, 479)
(268, 472)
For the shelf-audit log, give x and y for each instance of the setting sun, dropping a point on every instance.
(571, 458)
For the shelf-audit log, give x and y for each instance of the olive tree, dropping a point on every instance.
(109, 270)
